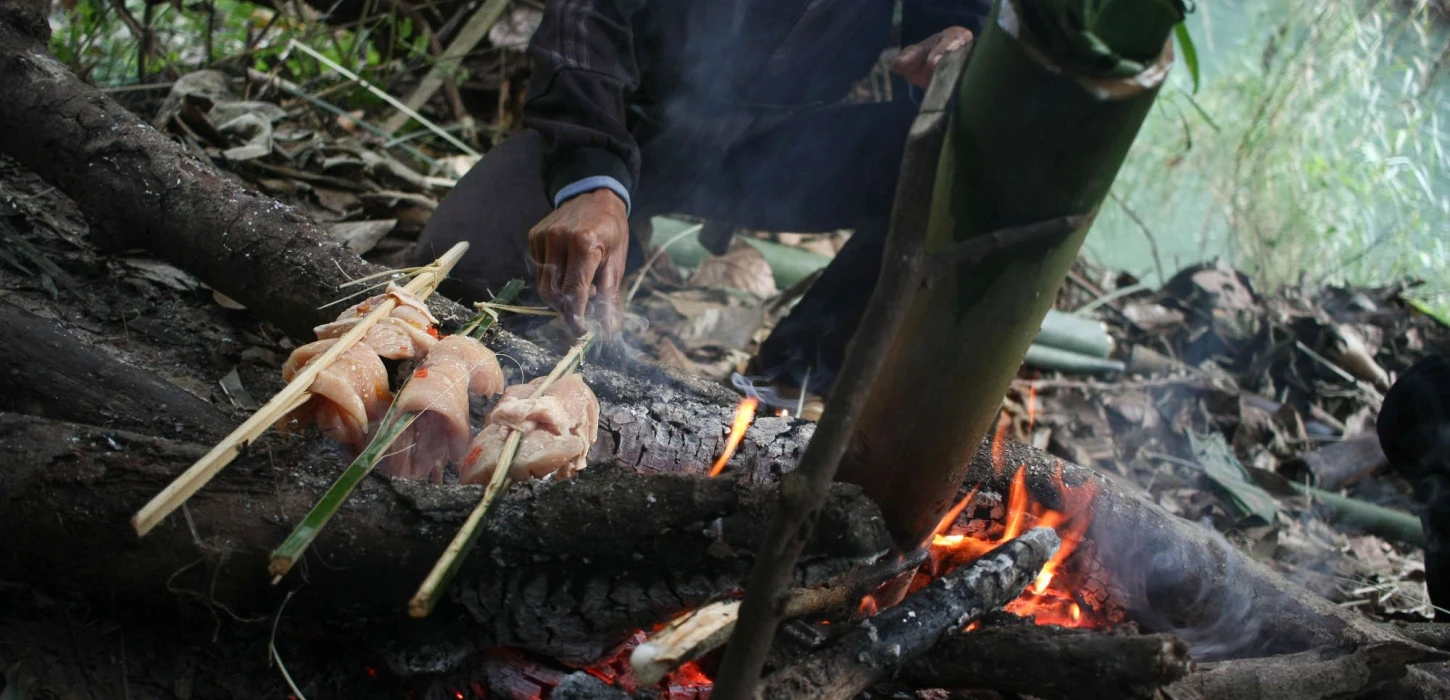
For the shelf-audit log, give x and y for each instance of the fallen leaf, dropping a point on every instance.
(361, 236)
(742, 267)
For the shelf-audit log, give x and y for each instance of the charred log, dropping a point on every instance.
(49, 372)
(1066, 664)
(900, 634)
(542, 580)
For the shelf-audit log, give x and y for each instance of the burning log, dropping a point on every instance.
(1066, 664)
(701, 631)
(901, 634)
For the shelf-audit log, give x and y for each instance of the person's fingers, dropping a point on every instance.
(904, 60)
(579, 273)
(547, 272)
(950, 40)
(607, 301)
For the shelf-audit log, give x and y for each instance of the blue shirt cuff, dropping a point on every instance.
(589, 184)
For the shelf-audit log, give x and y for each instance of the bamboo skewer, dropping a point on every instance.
(447, 565)
(291, 549)
(286, 400)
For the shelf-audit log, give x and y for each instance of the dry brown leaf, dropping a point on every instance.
(742, 267)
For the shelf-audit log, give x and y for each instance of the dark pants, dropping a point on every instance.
(815, 170)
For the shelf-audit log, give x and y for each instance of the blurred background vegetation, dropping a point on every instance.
(1314, 150)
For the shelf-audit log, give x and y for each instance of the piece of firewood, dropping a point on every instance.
(1311, 675)
(51, 373)
(881, 644)
(1053, 663)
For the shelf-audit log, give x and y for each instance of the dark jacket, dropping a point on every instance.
(601, 66)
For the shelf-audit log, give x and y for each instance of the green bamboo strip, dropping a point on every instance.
(447, 565)
(393, 425)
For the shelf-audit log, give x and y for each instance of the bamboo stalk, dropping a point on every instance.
(292, 548)
(286, 400)
(447, 565)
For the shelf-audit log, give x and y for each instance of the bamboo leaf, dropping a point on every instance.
(1250, 501)
(1190, 53)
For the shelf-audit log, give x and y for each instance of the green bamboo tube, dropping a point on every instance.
(1043, 120)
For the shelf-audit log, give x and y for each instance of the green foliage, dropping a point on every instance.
(1188, 52)
(95, 40)
(1314, 151)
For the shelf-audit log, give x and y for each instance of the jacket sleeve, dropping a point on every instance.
(923, 18)
(584, 71)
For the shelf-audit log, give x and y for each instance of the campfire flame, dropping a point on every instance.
(1050, 598)
(743, 416)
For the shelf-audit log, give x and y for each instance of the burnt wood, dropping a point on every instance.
(881, 644)
(1053, 663)
(560, 571)
(50, 372)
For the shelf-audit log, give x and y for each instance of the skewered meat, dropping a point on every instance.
(348, 397)
(456, 367)
(557, 429)
(406, 333)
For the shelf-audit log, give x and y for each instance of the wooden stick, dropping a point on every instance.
(449, 62)
(447, 565)
(702, 630)
(291, 549)
(286, 400)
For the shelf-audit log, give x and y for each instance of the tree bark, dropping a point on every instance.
(1053, 663)
(1321, 673)
(49, 372)
(568, 568)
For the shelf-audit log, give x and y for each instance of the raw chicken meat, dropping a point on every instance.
(406, 333)
(557, 428)
(348, 397)
(439, 389)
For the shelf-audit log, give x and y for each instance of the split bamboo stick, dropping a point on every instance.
(392, 426)
(286, 400)
(447, 565)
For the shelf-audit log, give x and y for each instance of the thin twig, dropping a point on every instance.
(384, 96)
(447, 565)
(634, 289)
(272, 649)
(1147, 232)
(978, 248)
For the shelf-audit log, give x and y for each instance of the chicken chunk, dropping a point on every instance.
(458, 366)
(558, 428)
(348, 398)
(406, 333)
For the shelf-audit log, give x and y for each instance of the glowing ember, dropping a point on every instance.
(743, 415)
(999, 443)
(1049, 600)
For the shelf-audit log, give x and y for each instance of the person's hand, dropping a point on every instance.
(580, 252)
(917, 62)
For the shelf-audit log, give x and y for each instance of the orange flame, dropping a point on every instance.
(1031, 408)
(999, 443)
(951, 517)
(743, 415)
(1016, 504)
(1048, 599)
